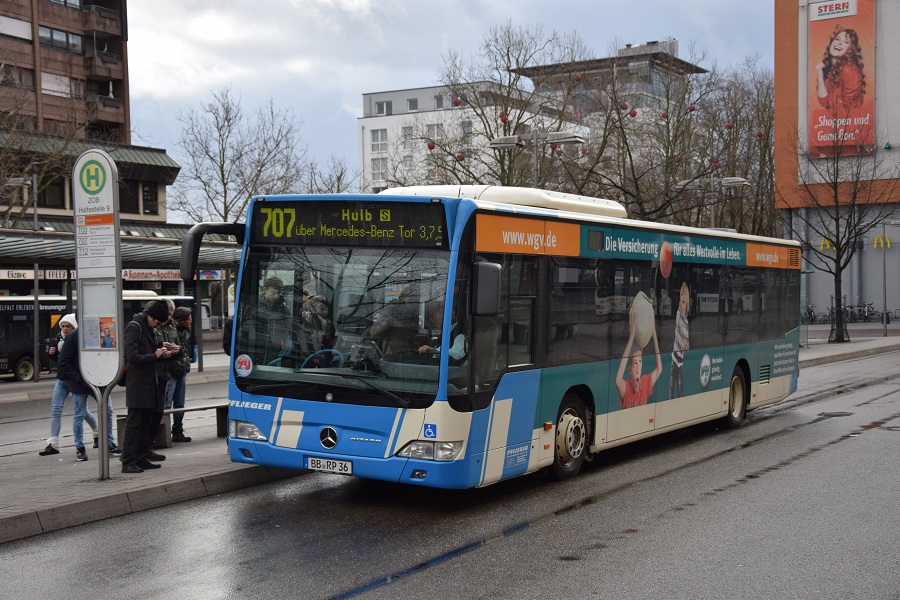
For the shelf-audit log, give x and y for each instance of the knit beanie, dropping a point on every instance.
(181, 313)
(159, 310)
(70, 319)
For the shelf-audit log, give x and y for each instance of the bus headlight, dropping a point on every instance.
(245, 431)
(442, 451)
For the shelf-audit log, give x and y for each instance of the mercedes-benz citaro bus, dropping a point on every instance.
(457, 336)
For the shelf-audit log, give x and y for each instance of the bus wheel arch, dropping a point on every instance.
(572, 441)
(24, 369)
(738, 395)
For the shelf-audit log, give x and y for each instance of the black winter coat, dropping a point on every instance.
(143, 389)
(69, 369)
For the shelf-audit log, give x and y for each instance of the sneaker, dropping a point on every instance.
(80, 453)
(131, 468)
(113, 449)
(156, 457)
(178, 436)
(48, 450)
(96, 442)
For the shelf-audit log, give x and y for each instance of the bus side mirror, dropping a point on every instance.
(486, 289)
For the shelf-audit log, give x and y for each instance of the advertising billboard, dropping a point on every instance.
(841, 77)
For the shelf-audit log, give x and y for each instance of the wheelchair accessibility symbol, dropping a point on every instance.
(430, 430)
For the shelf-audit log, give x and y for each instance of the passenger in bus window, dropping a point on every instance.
(396, 326)
(642, 329)
(459, 346)
(269, 323)
(682, 342)
(315, 331)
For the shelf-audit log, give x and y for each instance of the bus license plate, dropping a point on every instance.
(341, 467)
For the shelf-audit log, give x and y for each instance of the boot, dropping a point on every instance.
(178, 436)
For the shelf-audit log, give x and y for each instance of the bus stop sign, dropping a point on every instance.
(95, 198)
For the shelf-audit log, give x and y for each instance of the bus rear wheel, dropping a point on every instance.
(737, 399)
(571, 439)
(24, 369)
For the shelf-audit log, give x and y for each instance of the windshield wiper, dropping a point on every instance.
(402, 402)
(262, 387)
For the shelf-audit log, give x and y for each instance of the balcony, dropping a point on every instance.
(108, 109)
(99, 19)
(104, 65)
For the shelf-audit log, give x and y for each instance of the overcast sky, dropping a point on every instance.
(319, 56)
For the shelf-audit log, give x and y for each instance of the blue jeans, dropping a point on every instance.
(175, 392)
(110, 438)
(80, 414)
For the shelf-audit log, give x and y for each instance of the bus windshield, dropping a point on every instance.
(317, 320)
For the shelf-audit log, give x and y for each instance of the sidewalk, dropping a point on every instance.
(41, 494)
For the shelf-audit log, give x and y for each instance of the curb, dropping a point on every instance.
(824, 360)
(118, 504)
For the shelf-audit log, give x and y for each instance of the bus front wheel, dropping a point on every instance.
(24, 369)
(571, 438)
(737, 399)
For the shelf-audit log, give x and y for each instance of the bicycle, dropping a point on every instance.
(867, 311)
(809, 316)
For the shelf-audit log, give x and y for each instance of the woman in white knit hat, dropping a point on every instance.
(67, 325)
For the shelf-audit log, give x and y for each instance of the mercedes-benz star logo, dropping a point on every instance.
(328, 438)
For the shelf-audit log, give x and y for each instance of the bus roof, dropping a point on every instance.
(518, 196)
(576, 206)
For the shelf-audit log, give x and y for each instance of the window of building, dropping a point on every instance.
(379, 169)
(151, 198)
(412, 104)
(383, 108)
(379, 140)
(439, 102)
(467, 129)
(128, 197)
(16, 28)
(434, 131)
(53, 195)
(16, 76)
(407, 162)
(407, 134)
(60, 85)
(61, 40)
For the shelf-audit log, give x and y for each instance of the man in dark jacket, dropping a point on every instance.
(181, 366)
(144, 392)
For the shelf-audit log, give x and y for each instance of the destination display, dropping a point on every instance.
(417, 224)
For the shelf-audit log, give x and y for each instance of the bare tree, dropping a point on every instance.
(500, 96)
(842, 194)
(232, 156)
(332, 177)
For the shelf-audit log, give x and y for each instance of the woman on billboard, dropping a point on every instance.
(840, 81)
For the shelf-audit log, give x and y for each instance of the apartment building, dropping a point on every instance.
(63, 90)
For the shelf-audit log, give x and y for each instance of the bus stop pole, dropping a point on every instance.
(37, 302)
(102, 397)
(198, 324)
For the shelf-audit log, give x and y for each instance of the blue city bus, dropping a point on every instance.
(457, 336)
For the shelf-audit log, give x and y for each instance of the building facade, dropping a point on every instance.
(836, 91)
(399, 129)
(63, 90)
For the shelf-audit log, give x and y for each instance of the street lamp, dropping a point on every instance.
(31, 182)
(519, 141)
(721, 182)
